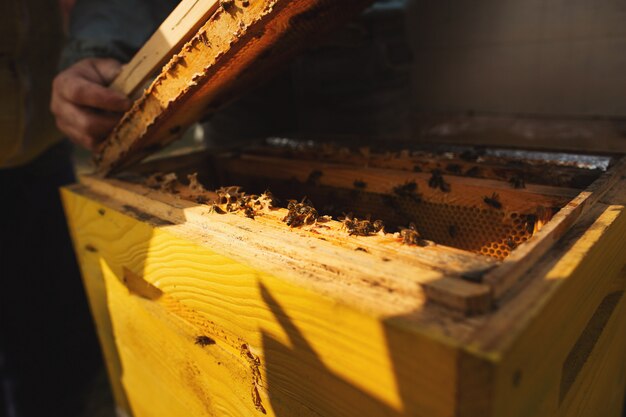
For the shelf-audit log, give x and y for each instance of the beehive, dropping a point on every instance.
(509, 303)
(313, 321)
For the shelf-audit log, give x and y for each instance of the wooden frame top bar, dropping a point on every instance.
(241, 44)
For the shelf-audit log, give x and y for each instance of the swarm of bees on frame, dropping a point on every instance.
(395, 204)
(363, 227)
(300, 213)
(234, 199)
(303, 213)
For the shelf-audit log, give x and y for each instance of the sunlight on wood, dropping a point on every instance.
(179, 26)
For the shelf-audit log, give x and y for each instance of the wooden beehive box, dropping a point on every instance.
(508, 303)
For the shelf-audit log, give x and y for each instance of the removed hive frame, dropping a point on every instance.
(235, 49)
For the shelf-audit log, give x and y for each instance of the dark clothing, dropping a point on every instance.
(48, 347)
(113, 28)
(30, 42)
(49, 353)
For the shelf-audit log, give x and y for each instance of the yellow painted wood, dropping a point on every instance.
(288, 348)
(317, 355)
(94, 284)
(549, 323)
(599, 389)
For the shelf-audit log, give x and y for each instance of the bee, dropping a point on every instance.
(377, 226)
(452, 230)
(155, 180)
(349, 223)
(493, 201)
(194, 184)
(410, 236)
(437, 181)
(215, 208)
(454, 168)
(249, 212)
(360, 184)
(314, 177)
(517, 181)
(358, 227)
(227, 4)
(169, 183)
(473, 172)
(405, 189)
(531, 219)
(205, 39)
(300, 213)
(469, 156)
(409, 190)
(204, 341)
(516, 163)
(164, 182)
(511, 243)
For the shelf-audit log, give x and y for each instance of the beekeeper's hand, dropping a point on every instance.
(85, 109)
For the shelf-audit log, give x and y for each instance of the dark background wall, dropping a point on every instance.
(535, 57)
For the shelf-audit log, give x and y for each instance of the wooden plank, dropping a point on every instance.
(235, 49)
(464, 191)
(178, 28)
(526, 255)
(471, 164)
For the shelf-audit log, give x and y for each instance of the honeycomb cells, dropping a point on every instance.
(483, 230)
(487, 231)
(463, 224)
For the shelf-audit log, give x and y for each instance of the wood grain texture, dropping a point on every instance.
(260, 322)
(95, 288)
(236, 48)
(180, 25)
(535, 332)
